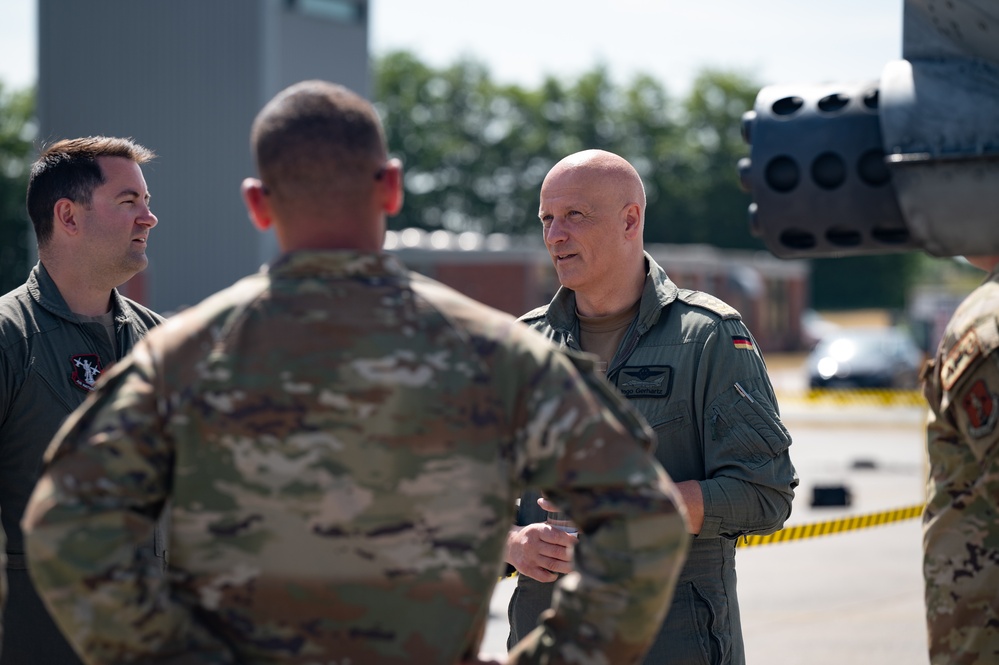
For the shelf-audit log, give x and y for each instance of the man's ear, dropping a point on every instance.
(632, 221)
(257, 205)
(64, 217)
(391, 187)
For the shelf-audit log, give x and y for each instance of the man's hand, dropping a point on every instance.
(693, 499)
(540, 551)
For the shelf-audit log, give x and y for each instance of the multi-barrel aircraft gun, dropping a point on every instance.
(906, 162)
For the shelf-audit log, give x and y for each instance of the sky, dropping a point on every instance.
(522, 41)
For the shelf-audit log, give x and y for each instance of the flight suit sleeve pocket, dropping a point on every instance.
(755, 425)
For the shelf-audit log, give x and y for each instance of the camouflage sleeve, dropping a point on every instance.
(587, 450)
(103, 487)
(961, 520)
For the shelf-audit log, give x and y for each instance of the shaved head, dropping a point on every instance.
(592, 213)
(604, 170)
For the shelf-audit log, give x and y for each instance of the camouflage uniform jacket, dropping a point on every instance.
(692, 369)
(342, 443)
(961, 521)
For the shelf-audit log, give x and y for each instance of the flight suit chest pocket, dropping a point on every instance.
(677, 447)
(665, 418)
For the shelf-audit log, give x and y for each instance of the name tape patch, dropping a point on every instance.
(645, 381)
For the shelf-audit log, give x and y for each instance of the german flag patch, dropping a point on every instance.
(741, 342)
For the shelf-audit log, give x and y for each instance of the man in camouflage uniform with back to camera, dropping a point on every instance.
(961, 520)
(341, 443)
(688, 364)
(89, 205)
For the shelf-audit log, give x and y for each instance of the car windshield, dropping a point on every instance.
(862, 343)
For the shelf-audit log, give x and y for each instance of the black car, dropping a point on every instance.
(865, 358)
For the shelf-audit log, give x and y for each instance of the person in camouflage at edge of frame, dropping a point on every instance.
(961, 520)
(342, 443)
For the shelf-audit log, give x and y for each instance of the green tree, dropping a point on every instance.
(17, 128)
(476, 153)
(859, 282)
(469, 164)
(707, 202)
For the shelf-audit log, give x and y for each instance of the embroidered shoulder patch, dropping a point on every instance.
(86, 370)
(982, 407)
(741, 342)
(959, 359)
(646, 381)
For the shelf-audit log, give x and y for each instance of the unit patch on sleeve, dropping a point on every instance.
(86, 370)
(982, 407)
(742, 342)
(646, 381)
(959, 359)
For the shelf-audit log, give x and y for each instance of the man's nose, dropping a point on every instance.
(147, 218)
(555, 232)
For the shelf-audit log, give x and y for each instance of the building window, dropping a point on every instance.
(342, 11)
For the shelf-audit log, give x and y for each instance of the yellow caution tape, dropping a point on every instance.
(842, 525)
(829, 527)
(865, 396)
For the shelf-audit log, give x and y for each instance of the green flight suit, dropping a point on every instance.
(691, 367)
(49, 362)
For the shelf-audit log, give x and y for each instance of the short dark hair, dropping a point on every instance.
(317, 142)
(68, 169)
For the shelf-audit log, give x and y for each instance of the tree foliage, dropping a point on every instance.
(862, 282)
(476, 153)
(17, 129)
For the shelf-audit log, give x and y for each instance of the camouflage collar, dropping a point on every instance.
(335, 263)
